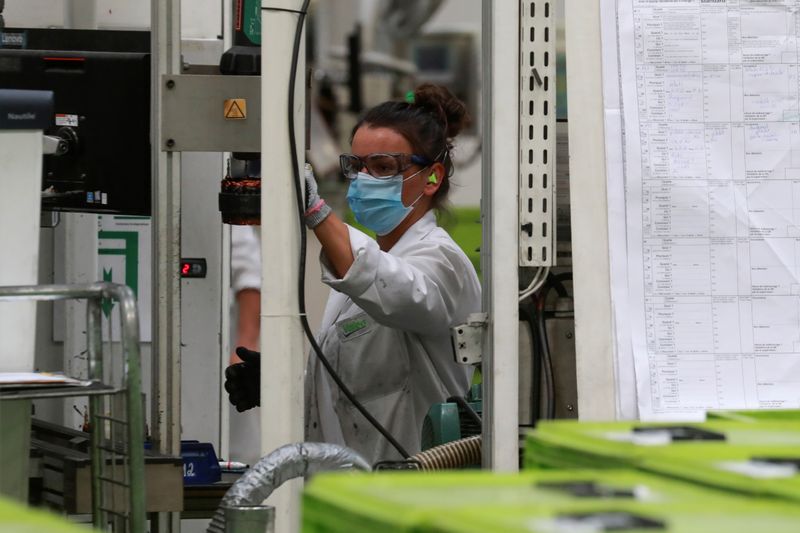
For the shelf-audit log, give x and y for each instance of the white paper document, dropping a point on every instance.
(711, 141)
(35, 379)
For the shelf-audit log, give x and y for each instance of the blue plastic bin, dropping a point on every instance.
(200, 463)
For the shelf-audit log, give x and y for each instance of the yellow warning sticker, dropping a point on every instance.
(236, 109)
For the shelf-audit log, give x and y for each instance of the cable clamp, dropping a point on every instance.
(467, 339)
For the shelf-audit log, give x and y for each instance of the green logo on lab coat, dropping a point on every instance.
(349, 328)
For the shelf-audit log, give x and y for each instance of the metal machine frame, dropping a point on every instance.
(518, 168)
(165, 32)
(594, 335)
(499, 250)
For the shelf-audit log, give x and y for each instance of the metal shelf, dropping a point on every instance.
(117, 497)
(39, 392)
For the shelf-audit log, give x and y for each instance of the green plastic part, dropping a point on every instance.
(441, 425)
(16, 518)
(651, 519)
(756, 458)
(790, 415)
(528, 501)
(251, 20)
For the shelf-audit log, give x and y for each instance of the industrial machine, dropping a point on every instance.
(240, 190)
(24, 116)
(453, 420)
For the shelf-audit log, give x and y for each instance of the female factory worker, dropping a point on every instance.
(386, 326)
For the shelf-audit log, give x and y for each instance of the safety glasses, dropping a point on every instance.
(380, 165)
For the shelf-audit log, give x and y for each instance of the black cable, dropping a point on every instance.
(547, 367)
(302, 12)
(542, 376)
(301, 290)
(529, 317)
(555, 281)
(461, 402)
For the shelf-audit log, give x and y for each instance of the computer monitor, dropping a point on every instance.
(101, 84)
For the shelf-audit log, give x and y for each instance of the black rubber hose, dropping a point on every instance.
(461, 402)
(547, 368)
(528, 314)
(553, 281)
(556, 281)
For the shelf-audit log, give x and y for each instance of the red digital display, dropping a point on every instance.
(193, 268)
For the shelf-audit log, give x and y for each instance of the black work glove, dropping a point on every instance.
(243, 380)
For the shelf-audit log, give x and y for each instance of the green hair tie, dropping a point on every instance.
(410, 97)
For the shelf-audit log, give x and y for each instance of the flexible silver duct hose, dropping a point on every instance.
(456, 454)
(285, 463)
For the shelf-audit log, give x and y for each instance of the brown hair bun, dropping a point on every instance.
(438, 100)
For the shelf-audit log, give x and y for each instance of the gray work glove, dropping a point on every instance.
(316, 208)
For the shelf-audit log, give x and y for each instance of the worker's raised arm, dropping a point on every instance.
(329, 229)
(419, 289)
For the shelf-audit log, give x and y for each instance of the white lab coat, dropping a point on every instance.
(244, 428)
(386, 330)
(245, 258)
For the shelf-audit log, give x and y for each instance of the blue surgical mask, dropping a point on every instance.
(378, 203)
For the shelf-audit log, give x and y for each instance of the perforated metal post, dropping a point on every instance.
(537, 131)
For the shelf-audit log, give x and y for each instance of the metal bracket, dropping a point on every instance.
(211, 113)
(52, 145)
(468, 339)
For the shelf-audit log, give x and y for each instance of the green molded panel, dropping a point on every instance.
(755, 415)
(625, 442)
(484, 501)
(653, 518)
(16, 518)
(756, 458)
